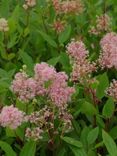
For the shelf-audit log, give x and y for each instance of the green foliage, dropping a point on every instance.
(88, 108)
(109, 107)
(72, 141)
(33, 37)
(103, 84)
(48, 39)
(29, 149)
(109, 143)
(92, 135)
(64, 36)
(7, 149)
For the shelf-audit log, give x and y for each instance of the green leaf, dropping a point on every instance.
(16, 12)
(48, 39)
(27, 60)
(103, 84)
(83, 137)
(20, 131)
(64, 36)
(92, 136)
(7, 149)
(76, 126)
(26, 31)
(13, 40)
(43, 151)
(108, 108)
(11, 73)
(4, 54)
(4, 86)
(61, 152)
(109, 143)
(64, 60)
(4, 8)
(78, 151)
(14, 18)
(72, 141)
(54, 61)
(11, 56)
(100, 121)
(88, 108)
(3, 73)
(29, 149)
(100, 144)
(10, 132)
(91, 153)
(113, 132)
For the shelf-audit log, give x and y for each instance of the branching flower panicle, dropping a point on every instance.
(81, 66)
(103, 24)
(108, 56)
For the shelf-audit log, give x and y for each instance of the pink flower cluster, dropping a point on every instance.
(81, 67)
(24, 87)
(103, 24)
(69, 6)
(11, 117)
(59, 92)
(58, 26)
(44, 72)
(34, 133)
(46, 82)
(56, 4)
(66, 118)
(108, 56)
(82, 70)
(43, 120)
(112, 90)
(44, 116)
(77, 50)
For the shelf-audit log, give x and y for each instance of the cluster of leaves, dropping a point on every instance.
(31, 38)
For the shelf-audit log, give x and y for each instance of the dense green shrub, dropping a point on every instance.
(58, 87)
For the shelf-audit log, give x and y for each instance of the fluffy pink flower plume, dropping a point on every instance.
(108, 56)
(44, 72)
(81, 71)
(69, 6)
(46, 82)
(11, 117)
(77, 50)
(112, 90)
(24, 87)
(81, 67)
(103, 23)
(59, 91)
